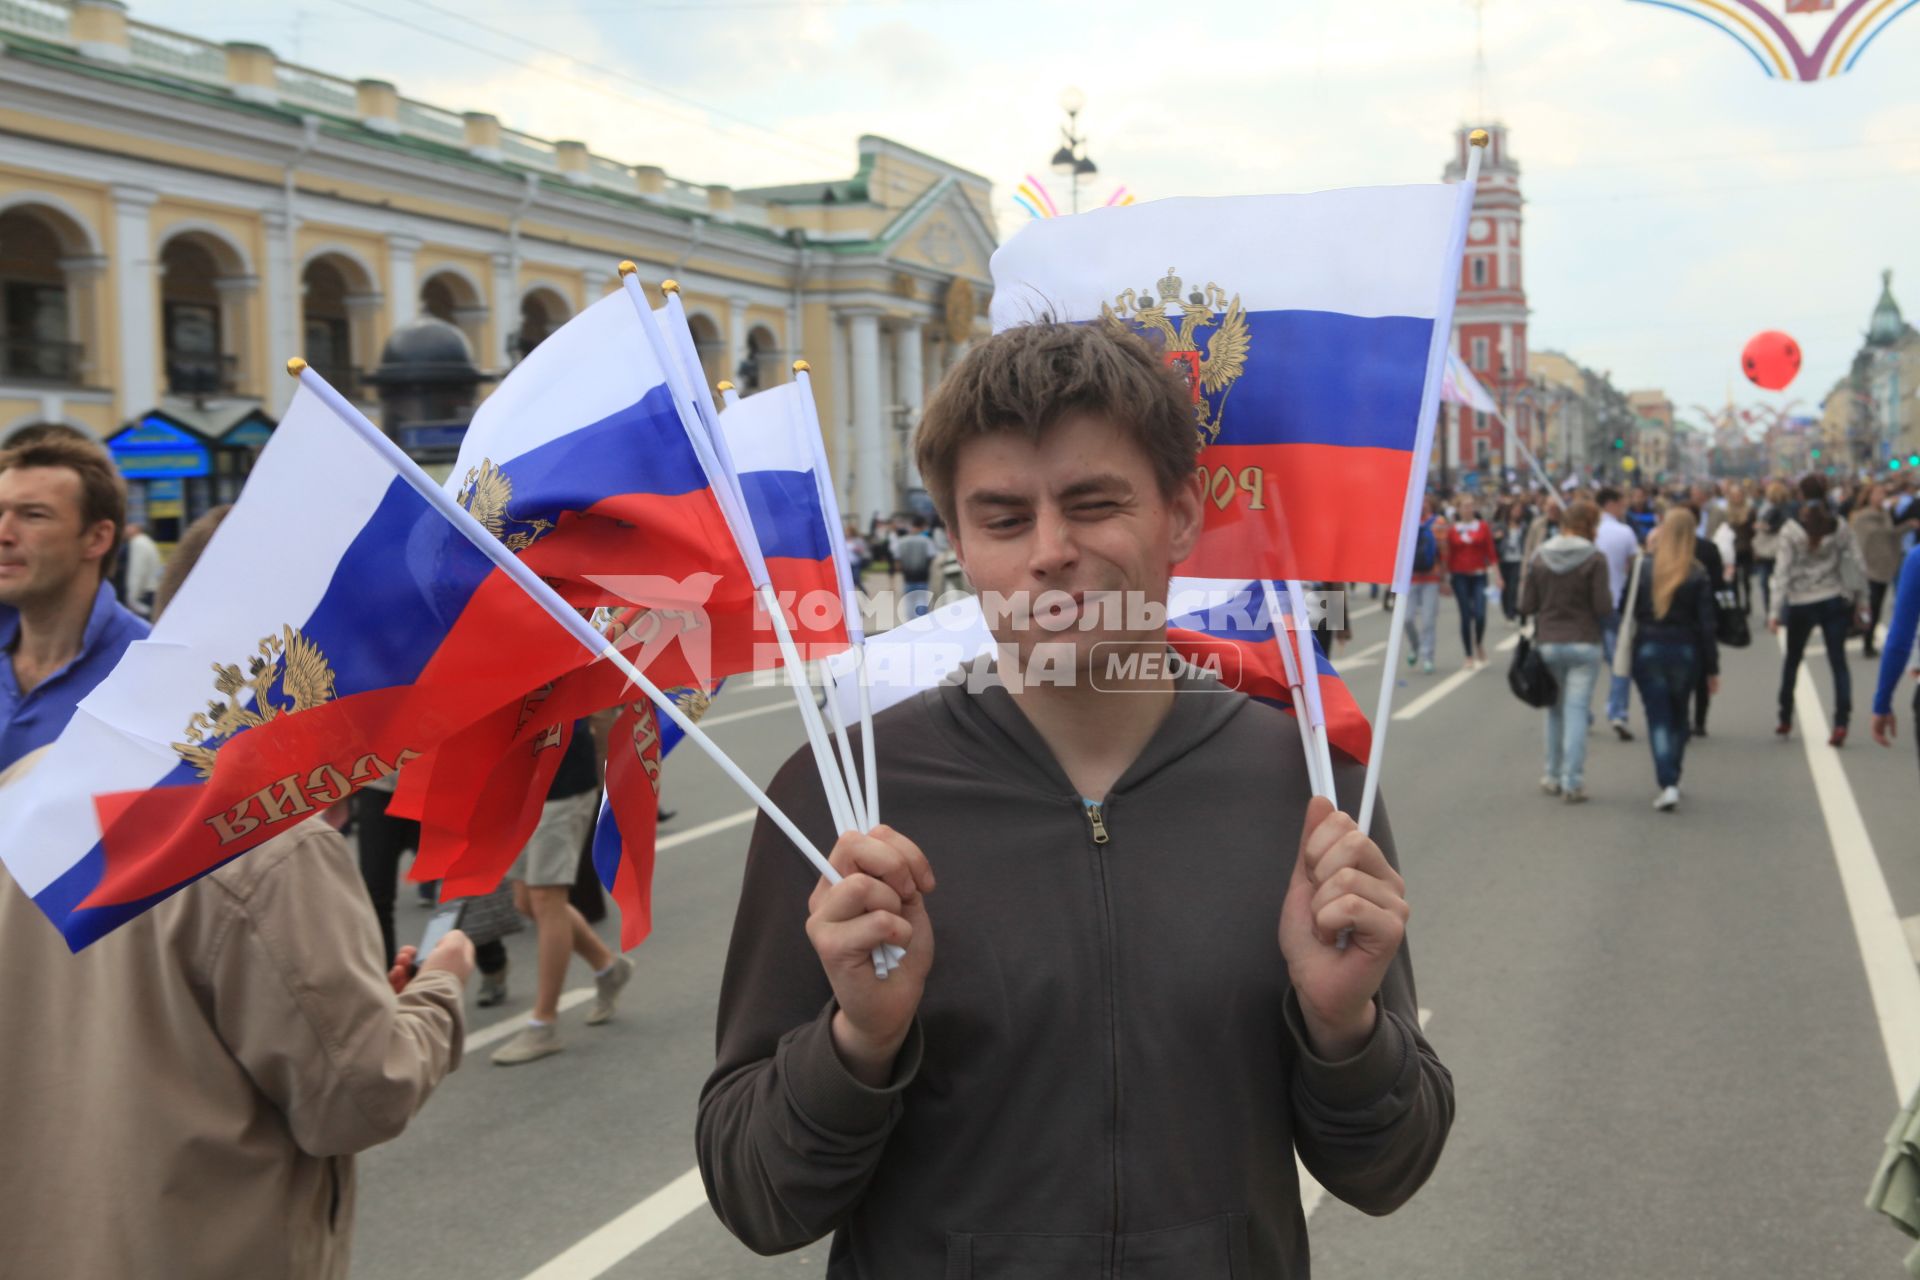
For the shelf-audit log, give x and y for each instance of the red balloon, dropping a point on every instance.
(1771, 360)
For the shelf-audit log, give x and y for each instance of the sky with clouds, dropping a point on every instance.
(1678, 200)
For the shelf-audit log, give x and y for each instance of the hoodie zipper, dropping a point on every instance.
(1097, 824)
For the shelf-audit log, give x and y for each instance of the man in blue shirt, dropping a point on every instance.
(62, 509)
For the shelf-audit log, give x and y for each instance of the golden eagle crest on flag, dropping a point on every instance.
(485, 493)
(1179, 327)
(306, 681)
(692, 701)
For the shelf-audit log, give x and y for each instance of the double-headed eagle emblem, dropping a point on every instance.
(1179, 326)
(305, 678)
(485, 493)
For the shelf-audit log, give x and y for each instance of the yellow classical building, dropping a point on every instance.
(178, 217)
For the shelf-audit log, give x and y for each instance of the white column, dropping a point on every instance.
(403, 285)
(840, 436)
(1509, 451)
(736, 338)
(135, 299)
(911, 387)
(871, 491)
(506, 312)
(286, 333)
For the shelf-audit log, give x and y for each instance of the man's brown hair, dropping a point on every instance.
(1023, 380)
(103, 493)
(1582, 519)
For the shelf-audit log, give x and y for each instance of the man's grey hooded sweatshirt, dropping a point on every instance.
(1108, 1076)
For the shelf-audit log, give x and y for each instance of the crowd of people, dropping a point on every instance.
(300, 1030)
(1640, 587)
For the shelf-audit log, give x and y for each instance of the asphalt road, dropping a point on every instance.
(1666, 1053)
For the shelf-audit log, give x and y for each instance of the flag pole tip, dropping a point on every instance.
(1478, 138)
(669, 286)
(628, 267)
(801, 366)
(723, 386)
(296, 367)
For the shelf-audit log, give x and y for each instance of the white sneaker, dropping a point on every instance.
(1426, 668)
(1549, 785)
(606, 991)
(1667, 801)
(529, 1044)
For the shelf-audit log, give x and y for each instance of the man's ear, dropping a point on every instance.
(1186, 512)
(97, 542)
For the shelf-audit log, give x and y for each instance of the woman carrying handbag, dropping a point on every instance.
(1563, 590)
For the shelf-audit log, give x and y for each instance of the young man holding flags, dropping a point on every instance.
(1161, 967)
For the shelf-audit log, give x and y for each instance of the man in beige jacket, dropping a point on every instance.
(185, 1097)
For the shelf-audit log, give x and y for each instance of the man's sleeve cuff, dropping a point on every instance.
(826, 1094)
(1356, 1082)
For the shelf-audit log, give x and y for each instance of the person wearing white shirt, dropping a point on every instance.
(142, 571)
(1616, 542)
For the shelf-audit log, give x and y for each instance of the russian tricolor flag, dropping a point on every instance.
(1310, 330)
(768, 437)
(1230, 622)
(336, 627)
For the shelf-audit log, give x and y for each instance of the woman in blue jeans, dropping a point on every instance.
(1564, 588)
(1673, 644)
(1818, 581)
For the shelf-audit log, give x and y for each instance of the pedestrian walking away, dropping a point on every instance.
(543, 876)
(1674, 632)
(1564, 589)
(1819, 584)
(1421, 627)
(1879, 543)
(1616, 542)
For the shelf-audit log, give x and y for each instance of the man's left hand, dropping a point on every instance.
(1341, 882)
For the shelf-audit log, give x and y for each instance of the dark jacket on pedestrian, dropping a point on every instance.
(1109, 1061)
(1565, 586)
(1690, 617)
(1709, 558)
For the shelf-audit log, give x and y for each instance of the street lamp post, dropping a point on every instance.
(1071, 161)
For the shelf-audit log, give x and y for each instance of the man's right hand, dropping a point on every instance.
(454, 954)
(1885, 729)
(880, 899)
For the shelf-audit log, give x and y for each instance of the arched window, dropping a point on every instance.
(541, 312)
(40, 310)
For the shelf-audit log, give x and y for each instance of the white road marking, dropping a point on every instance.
(507, 1026)
(730, 717)
(606, 1248)
(1311, 1192)
(1366, 657)
(1892, 979)
(704, 830)
(1448, 685)
(1912, 926)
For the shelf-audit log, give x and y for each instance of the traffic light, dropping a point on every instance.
(1816, 453)
(1893, 464)
(1619, 443)
(1914, 460)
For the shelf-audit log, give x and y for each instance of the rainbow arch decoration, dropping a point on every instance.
(1032, 195)
(1776, 33)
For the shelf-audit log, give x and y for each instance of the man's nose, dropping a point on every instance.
(1054, 549)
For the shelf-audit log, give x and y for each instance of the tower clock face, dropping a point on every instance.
(1480, 230)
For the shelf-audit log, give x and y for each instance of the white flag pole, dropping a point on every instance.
(849, 590)
(730, 396)
(1310, 680)
(708, 445)
(1289, 659)
(558, 609)
(1449, 285)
